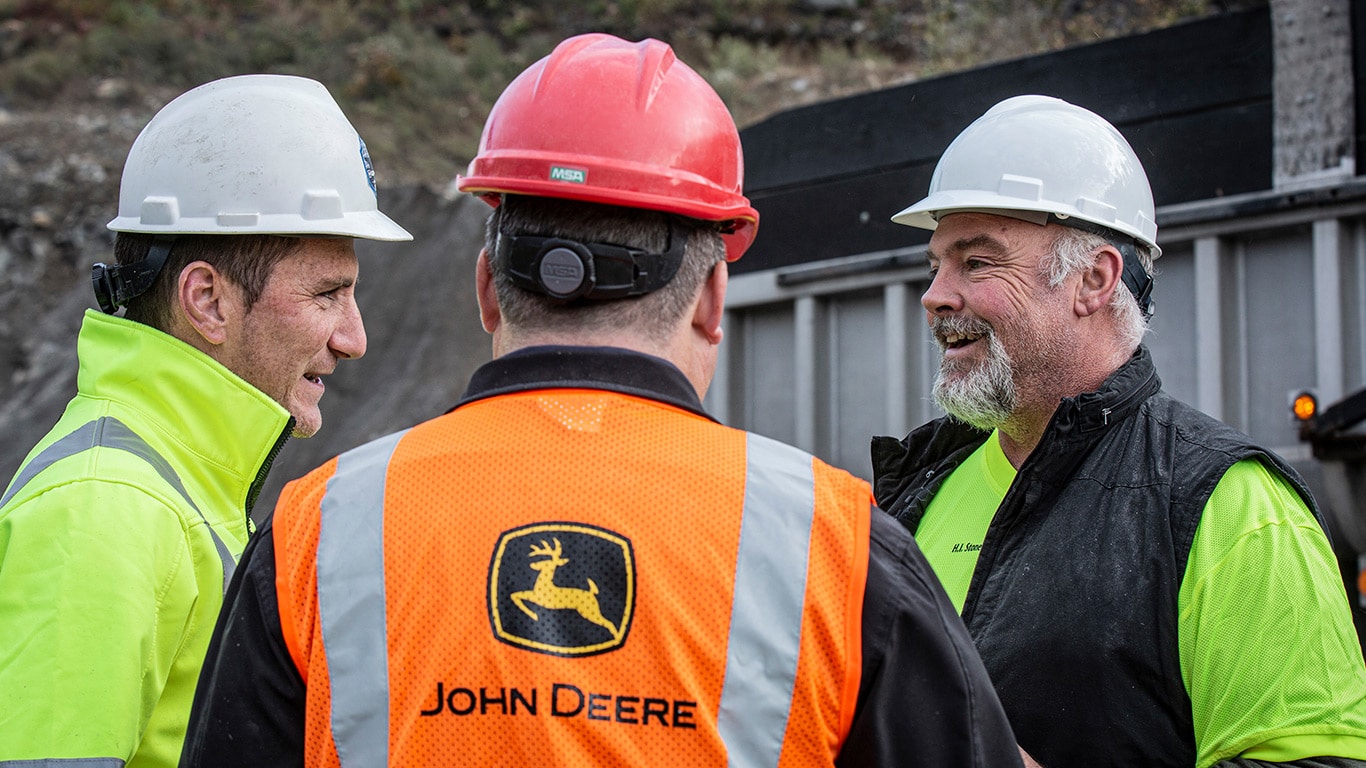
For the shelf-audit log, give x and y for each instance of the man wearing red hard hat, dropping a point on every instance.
(576, 565)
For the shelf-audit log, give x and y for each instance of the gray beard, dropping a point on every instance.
(984, 394)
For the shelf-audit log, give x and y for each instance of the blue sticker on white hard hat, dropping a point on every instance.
(369, 169)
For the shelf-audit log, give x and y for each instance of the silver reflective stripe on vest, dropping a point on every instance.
(351, 603)
(64, 761)
(766, 614)
(109, 432)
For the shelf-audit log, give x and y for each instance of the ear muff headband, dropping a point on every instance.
(1135, 277)
(116, 285)
(568, 270)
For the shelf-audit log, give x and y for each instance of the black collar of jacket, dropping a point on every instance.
(1121, 394)
(567, 367)
(937, 448)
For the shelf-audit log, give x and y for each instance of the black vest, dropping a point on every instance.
(1073, 604)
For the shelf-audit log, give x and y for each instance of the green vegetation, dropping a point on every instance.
(418, 76)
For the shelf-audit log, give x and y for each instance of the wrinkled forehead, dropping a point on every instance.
(988, 232)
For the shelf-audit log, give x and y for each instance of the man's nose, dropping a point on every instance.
(349, 339)
(941, 296)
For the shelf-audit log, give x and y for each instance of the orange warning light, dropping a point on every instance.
(1305, 406)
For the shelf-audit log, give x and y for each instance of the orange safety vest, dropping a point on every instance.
(574, 577)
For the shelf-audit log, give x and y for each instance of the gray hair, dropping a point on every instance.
(1073, 251)
(654, 314)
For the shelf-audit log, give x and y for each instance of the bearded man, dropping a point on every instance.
(1145, 584)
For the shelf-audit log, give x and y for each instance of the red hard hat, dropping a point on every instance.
(608, 121)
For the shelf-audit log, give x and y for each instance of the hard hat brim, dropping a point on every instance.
(365, 225)
(927, 213)
(745, 217)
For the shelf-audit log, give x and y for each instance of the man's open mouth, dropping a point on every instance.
(954, 340)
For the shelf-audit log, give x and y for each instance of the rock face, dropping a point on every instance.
(1313, 83)
(421, 319)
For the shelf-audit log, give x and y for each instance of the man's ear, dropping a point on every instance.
(205, 302)
(711, 304)
(489, 314)
(1098, 282)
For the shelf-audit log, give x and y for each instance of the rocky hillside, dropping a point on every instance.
(79, 78)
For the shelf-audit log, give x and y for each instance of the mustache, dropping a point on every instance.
(956, 325)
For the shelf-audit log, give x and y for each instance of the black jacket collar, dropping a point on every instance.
(566, 367)
(1121, 394)
(929, 453)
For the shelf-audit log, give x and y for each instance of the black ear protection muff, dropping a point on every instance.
(568, 270)
(1135, 277)
(116, 285)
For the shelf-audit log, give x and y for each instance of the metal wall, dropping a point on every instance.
(1260, 291)
(1257, 296)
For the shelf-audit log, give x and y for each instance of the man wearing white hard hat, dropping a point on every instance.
(239, 205)
(1146, 585)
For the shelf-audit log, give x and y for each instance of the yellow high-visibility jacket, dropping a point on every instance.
(117, 537)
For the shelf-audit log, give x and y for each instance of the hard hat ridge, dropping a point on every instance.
(652, 65)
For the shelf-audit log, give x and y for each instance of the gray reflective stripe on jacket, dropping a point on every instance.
(64, 763)
(765, 625)
(109, 432)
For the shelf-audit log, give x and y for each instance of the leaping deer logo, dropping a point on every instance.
(546, 594)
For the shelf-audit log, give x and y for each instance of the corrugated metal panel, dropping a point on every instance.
(1249, 309)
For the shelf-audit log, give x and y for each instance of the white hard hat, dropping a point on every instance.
(255, 154)
(1032, 156)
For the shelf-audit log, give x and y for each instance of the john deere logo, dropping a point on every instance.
(565, 589)
(571, 175)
